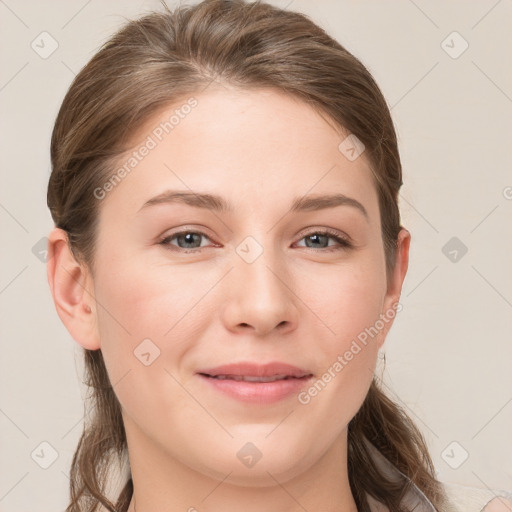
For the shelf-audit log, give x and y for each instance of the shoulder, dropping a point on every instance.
(460, 498)
(471, 499)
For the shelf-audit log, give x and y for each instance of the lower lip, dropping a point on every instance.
(258, 392)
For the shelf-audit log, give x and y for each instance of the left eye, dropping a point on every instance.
(187, 241)
(321, 236)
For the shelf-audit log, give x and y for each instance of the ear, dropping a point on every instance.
(391, 304)
(72, 289)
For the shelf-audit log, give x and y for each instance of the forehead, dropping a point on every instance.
(254, 147)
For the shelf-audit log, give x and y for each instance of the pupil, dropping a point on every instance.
(316, 237)
(189, 238)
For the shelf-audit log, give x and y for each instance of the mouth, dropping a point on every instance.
(255, 383)
(250, 378)
(252, 370)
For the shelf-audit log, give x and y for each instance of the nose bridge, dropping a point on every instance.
(260, 295)
(258, 267)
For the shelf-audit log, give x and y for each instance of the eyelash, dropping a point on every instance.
(342, 241)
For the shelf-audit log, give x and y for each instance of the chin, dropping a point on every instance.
(261, 462)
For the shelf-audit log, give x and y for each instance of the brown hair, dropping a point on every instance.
(147, 65)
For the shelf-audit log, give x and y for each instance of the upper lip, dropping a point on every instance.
(248, 369)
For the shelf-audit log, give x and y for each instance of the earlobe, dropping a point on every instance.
(72, 290)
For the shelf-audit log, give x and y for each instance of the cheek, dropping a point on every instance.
(346, 299)
(150, 320)
(348, 303)
(137, 303)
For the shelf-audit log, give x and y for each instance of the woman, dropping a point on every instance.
(228, 252)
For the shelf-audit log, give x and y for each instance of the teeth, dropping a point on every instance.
(252, 379)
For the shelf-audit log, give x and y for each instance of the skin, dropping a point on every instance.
(295, 303)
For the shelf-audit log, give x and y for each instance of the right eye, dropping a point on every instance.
(188, 238)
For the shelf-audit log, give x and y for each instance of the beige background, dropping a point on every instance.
(449, 353)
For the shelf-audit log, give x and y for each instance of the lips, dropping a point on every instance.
(256, 384)
(252, 372)
(248, 378)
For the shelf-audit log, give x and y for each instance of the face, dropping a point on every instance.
(183, 286)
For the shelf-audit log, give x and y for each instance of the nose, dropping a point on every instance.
(259, 297)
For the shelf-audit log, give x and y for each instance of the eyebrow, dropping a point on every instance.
(219, 204)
